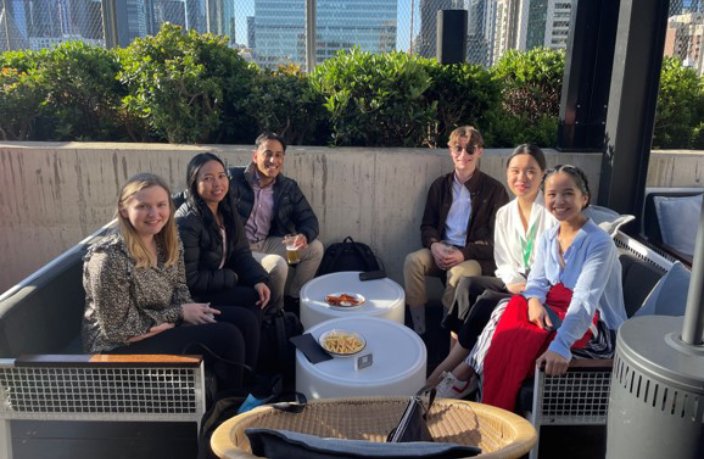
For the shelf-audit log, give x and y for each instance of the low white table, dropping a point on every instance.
(383, 298)
(399, 366)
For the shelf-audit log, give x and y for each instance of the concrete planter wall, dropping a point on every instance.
(54, 194)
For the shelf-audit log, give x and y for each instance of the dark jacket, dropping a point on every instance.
(202, 252)
(292, 213)
(488, 194)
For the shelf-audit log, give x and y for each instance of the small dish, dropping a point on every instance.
(342, 343)
(344, 301)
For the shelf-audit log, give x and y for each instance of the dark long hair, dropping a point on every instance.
(194, 200)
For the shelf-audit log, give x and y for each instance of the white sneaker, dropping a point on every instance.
(451, 387)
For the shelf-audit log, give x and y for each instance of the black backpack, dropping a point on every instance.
(348, 255)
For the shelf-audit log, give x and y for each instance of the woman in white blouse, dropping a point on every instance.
(519, 225)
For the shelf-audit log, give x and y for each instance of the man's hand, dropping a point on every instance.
(516, 288)
(264, 294)
(437, 249)
(553, 363)
(198, 313)
(301, 241)
(453, 257)
(538, 315)
(155, 330)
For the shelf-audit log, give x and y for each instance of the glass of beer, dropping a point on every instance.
(291, 243)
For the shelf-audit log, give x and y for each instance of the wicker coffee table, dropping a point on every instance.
(499, 433)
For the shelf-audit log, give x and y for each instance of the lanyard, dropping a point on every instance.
(527, 245)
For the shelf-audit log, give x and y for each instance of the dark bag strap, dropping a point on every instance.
(280, 330)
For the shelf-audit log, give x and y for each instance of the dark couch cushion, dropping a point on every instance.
(638, 278)
(44, 316)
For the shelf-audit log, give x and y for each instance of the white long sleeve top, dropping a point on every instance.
(514, 252)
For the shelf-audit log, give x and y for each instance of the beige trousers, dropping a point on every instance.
(271, 254)
(420, 264)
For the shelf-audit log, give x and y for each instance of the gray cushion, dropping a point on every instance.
(678, 218)
(669, 297)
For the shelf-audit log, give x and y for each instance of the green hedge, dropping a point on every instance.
(185, 87)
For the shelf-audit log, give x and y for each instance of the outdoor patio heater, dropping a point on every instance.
(656, 402)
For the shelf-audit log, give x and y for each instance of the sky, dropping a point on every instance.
(244, 8)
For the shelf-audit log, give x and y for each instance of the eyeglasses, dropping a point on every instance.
(469, 149)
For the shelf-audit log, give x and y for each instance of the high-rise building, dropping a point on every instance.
(684, 39)
(427, 43)
(279, 29)
(543, 24)
(481, 31)
(506, 27)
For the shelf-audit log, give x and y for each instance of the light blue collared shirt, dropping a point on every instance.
(593, 273)
(458, 217)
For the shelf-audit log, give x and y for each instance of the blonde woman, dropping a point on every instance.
(137, 300)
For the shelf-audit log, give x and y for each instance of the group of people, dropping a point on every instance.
(528, 280)
(201, 278)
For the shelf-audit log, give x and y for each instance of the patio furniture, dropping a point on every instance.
(399, 362)
(383, 298)
(499, 433)
(142, 388)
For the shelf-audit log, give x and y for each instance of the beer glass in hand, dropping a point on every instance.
(291, 241)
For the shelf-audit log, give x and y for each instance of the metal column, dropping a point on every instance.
(310, 35)
(585, 88)
(635, 79)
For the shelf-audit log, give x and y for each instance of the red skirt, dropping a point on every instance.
(516, 345)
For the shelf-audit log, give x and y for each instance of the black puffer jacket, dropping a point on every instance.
(202, 252)
(292, 213)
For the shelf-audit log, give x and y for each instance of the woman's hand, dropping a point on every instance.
(155, 330)
(198, 313)
(553, 363)
(537, 314)
(516, 288)
(264, 294)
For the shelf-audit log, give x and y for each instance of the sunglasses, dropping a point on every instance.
(469, 149)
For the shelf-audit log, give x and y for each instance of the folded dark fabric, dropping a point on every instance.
(284, 444)
(310, 348)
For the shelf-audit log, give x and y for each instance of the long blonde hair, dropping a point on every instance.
(167, 237)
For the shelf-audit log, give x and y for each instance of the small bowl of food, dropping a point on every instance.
(342, 343)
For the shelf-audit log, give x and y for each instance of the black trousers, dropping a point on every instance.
(476, 298)
(235, 338)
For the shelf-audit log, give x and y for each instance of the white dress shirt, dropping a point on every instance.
(512, 243)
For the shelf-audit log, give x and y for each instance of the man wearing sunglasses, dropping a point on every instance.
(457, 230)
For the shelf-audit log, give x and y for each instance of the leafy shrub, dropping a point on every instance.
(179, 83)
(22, 94)
(83, 93)
(464, 94)
(679, 107)
(532, 82)
(376, 99)
(530, 98)
(284, 101)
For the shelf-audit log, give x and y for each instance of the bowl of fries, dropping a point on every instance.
(342, 343)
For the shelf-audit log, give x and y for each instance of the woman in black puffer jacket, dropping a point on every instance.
(219, 264)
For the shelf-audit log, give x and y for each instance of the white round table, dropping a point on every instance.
(399, 366)
(383, 298)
